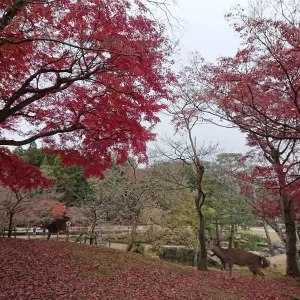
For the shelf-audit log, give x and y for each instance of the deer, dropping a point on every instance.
(57, 225)
(223, 263)
(241, 258)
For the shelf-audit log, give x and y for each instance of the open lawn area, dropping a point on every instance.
(38, 269)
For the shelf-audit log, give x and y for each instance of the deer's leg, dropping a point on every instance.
(49, 235)
(263, 277)
(223, 264)
(254, 272)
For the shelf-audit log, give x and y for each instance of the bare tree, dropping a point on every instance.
(187, 152)
(12, 203)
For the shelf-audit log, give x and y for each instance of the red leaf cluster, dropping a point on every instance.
(19, 175)
(58, 270)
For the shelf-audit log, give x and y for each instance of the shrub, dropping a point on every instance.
(249, 241)
(138, 248)
(157, 248)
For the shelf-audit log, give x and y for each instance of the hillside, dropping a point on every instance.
(59, 270)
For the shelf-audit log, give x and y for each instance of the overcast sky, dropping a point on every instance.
(206, 31)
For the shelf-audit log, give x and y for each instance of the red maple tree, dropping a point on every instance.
(84, 77)
(258, 90)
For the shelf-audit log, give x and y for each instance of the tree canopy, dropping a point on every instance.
(84, 78)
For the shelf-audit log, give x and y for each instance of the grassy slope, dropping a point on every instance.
(58, 270)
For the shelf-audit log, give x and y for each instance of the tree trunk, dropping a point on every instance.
(132, 236)
(196, 248)
(10, 225)
(92, 236)
(232, 234)
(271, 248)
(217, 232)
(292, 267)
(202, 258)
(277, 229)
(199, 201)
(298, 232)
(27, 230)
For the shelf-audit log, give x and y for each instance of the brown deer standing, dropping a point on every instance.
(56, 226)
(241, 258)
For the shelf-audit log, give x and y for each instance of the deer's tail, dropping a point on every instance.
(265, 263)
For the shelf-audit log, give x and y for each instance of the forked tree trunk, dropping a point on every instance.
(270, 245)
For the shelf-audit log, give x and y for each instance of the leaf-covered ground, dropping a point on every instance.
(58, 270)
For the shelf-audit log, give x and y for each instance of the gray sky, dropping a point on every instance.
(207, 32)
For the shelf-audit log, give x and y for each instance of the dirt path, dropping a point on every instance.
(278, 259)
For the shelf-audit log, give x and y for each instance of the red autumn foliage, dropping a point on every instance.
(58, 210)
(18, 175)
(84, 77)
(42, 209)
(59, 270)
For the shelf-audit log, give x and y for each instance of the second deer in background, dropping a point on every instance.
(241, 258)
